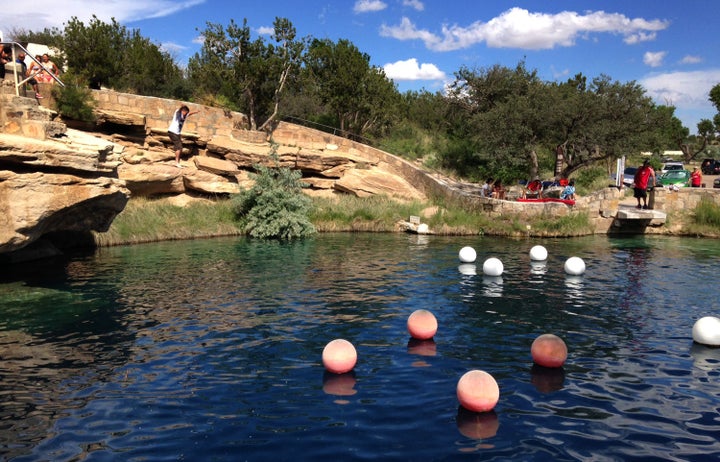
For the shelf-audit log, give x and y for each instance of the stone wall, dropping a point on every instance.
(208, 123)
(683, 200)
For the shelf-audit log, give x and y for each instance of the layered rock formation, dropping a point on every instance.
(55, 180)
(59, 185)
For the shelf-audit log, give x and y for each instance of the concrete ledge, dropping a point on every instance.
(654, 217)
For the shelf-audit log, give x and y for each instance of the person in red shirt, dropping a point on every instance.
(642, 177)
(695, 178)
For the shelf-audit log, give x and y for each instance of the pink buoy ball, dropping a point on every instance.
(422, 325)
(478, 391)
(339, 356)
(549, 350)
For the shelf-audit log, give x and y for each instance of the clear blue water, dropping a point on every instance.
(211, 350)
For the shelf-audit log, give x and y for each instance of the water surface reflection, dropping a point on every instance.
(211, 350)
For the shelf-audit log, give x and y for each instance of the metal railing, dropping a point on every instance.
(16, 47)
(328, 129)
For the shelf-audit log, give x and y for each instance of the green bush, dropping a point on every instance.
(74, 99)
(275, 206)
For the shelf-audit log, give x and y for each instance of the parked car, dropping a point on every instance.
(710, 167)
(677, 178)
(628, 176)
(673, 165)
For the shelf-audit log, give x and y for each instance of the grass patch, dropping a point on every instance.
(350, 213)
(148, 220)
(705, 219)
(574, 224)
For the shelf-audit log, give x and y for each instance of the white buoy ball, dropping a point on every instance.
(538, 253)
(492, 267)
(574, 266)
(467, 254)
(706, 331)
(423, 228)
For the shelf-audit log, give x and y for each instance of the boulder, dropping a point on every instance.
(373, 181)
(152, 179)
(142, 156)
(119, 118)
(208, 183)
(244, 179)
(68, 155)
(185, 200)
(35, 204)
(215, 166)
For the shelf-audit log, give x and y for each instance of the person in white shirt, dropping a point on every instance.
(176, 125)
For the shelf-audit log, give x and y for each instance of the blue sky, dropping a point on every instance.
(672, 48)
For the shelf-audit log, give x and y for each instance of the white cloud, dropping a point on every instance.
(632, 39)
(410, 70)
(172, 48)
(519, 28)
(416, 4)
(686, 90)
(369, 6)
(265, 30)
(54, 13)
(689, 59)
(654, 59)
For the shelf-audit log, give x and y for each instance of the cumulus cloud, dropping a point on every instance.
(266, 30)
(369, 6)
(53, 13)
(519, 28)
(416, 4)
(686, 89)
(654, 59)
(410, 70)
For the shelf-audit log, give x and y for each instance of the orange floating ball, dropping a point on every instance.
(339, 356)
(478, 391)
(549, 350)
(422, 325)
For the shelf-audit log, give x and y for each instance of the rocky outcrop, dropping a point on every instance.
(53, 181)
(35, 204)
(215, 143)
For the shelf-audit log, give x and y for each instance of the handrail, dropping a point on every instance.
(335, 131)
(20, 83)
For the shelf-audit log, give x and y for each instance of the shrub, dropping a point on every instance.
(275, 206)
(74, 99)
(707, 214)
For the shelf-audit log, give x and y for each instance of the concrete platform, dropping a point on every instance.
(629, 213)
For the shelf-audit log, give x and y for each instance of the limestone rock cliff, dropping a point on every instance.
(53, 181)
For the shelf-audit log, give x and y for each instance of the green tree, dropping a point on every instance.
(361, 98)
(111, 55)
(505, 114)
(249, 74)
(275, 207)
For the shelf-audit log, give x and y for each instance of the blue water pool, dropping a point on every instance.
(211, 350)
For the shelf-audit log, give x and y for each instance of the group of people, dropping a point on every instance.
(494, 189)
(645, 178)
(34, 73)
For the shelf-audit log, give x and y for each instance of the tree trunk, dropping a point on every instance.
(559, 158)
(533, 164)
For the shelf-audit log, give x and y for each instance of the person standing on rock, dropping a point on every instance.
(642, 178)
(176, 125)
